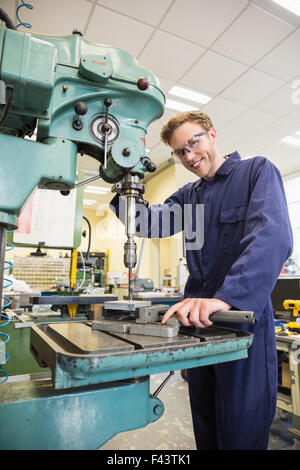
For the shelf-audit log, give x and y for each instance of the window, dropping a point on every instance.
(292, 191)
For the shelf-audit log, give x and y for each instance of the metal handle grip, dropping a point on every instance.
(233, 316)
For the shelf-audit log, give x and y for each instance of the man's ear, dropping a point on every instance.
(213, 132)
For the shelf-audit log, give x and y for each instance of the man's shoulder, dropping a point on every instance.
(256, 163)
(190, 186)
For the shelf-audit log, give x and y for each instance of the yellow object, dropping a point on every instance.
(294, 325)
(72, 309)
(292, 305)
(73, 268)
(107, 254)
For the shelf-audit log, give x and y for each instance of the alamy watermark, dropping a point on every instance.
(163, 221)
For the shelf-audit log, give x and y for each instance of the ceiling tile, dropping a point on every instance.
(280, 102)
(252, 35)
(58, 17)
(107, 27)
(247, 123)
(222, 111)
(273, 132)
(285, 157)
(252, 87)
(283, 62)
(169, 56)
(213, 72)
(139, 9)
(165, 84)
(201, 21)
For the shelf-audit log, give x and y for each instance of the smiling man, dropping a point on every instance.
(247, 238)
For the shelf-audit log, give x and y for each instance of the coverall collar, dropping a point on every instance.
(231, 160)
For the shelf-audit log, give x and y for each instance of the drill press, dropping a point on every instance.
(81, 98)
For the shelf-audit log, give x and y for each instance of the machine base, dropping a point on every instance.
(35, 417)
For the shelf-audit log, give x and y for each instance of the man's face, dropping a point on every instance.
(202, 159)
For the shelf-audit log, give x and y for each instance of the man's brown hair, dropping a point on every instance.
(195, 116)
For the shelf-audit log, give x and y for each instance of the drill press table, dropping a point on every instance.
(101, 382)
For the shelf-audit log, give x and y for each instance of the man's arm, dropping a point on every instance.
(156, 221)
(266, 244)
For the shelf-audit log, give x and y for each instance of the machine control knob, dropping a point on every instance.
(80, 109)
(126, 152)
(143, 83)
(106, 126)
(148, 164)
(77, 31)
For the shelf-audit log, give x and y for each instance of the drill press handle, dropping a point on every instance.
(233, 316)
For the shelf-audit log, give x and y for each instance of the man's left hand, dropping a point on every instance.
(195, 312)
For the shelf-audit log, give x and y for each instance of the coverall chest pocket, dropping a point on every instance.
(232, 229)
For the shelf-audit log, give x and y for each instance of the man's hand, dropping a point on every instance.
(195, 312)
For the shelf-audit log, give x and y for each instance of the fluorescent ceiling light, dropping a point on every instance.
(179, 106)
(88, 202)
(291, 5)
(292, 139)
(96, 190)
(189, 94)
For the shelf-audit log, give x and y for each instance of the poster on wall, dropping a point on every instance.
(47, 219)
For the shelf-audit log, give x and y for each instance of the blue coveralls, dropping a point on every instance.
(247, 238)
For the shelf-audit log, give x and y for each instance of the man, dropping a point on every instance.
(247, 238)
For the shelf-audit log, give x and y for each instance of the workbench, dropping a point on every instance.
(291, 402)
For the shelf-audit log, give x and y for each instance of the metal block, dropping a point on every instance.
(126, 305)
(112, 326)
(154, 329)
(150, 314)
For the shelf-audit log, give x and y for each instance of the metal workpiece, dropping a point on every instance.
(149, 329)
(126, 305)
(152, 313)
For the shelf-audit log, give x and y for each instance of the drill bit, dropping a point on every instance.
(130, 245)
(129, 283)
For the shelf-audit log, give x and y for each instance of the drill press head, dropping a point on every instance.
(79, 96)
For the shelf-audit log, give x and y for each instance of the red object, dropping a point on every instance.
(24, 220)
(142, 84)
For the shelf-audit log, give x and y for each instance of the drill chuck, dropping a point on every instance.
(130, 257)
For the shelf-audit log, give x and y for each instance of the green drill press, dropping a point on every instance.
(80, 98)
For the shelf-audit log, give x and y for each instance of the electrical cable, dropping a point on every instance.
(21, 23)
(83, 279)
(9, 96)
(90, 236)
(8, 22)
